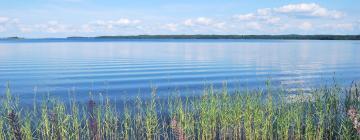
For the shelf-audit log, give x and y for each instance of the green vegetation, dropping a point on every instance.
(285, 37)
(324, 113)
(280, 37)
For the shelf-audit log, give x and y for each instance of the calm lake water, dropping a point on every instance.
(129, 68)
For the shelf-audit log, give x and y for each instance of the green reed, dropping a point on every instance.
(322, 113)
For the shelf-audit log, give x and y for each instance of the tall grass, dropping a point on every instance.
(324, 113)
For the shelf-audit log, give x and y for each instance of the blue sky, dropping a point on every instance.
(61, 18)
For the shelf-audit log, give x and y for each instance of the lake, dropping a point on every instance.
(130, 68)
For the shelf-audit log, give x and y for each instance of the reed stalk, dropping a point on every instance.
(322, 113)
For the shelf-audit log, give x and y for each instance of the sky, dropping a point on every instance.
(63, 18)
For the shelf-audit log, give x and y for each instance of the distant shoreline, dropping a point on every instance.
(233, 37)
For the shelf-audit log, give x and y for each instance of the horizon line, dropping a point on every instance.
(187, 35)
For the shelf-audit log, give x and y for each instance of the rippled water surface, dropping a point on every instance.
(122, 69)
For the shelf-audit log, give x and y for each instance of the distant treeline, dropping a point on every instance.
(296, 37)
(284, 37)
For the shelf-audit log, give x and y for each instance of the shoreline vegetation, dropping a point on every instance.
(328, 113)
(277, 37)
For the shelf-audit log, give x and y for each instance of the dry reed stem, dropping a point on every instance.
(354, 118)
(178, 131)
(14, 124)
(94, 135)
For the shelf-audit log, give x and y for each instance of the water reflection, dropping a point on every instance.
(125, 68)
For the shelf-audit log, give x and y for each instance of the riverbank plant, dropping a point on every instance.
(322, 113)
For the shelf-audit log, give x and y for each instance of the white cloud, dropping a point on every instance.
(2, 28)
(172, 27)
(308, 9)
(52, 27)
(205, 23)
(25, 29)
(339, 26)
(273, 16)
(56, 27)
(305, 26)
(110, 24)
(302, 7)
(6, 23)
(4, 20)
(245, 17)
(264, 11)
(292, 18)
(283, 27)
(220, 25)
(271, 19)
(124, 22)
(113, 26)
(253, 25)
(189, 22)
(86, 28)
(263, 16)
(48, 27)
(198, 21)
